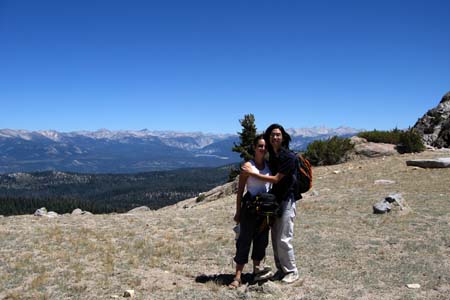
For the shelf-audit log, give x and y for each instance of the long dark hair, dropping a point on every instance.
(286, 137)
(258, 137)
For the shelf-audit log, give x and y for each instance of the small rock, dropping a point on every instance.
(336, 172)
(140, 209)
(128, 294)
(413, 286)
(381, 207)
(40, 212)
(314, 193)
(384, 181)
(51, 214)
(77, 212)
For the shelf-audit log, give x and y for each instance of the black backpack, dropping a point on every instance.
(302, 176)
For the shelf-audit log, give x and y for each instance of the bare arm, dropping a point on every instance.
(269, 178)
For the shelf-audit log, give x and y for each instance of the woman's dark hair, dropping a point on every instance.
(258, 137)
(286, 137)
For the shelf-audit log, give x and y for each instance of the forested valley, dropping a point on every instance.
(23, 193)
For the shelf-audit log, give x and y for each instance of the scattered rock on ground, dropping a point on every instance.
(77, 212)
(139, 209)
(384, 181)
(51, 214)
(386, 204)
(442, 162)
(42, 212)
(128, 294)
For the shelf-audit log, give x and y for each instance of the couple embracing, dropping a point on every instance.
(260, 176)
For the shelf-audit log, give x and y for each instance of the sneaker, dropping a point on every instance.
(262, 273)
(277, 276)
(290, 277)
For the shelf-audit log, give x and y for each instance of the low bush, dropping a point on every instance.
(329, 152)
(410, 141)
(200, 198)
(381, 136)
(407, 141)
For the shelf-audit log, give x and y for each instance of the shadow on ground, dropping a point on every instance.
(224, 279)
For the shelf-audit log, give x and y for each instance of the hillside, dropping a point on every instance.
(185, 251)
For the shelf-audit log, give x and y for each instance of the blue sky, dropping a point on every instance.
(201, 65)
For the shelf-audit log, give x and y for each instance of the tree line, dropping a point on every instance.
(103, 193)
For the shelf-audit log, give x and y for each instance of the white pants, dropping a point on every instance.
(282, 232)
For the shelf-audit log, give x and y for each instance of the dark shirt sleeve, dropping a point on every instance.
(286, 163)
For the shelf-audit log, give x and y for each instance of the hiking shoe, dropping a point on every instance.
(277, 276)
(262, 273)
(290, 277)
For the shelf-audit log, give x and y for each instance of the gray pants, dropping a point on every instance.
(282, 232)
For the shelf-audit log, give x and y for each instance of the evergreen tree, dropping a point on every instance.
(246, 136)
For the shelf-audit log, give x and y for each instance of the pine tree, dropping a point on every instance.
(246, 136)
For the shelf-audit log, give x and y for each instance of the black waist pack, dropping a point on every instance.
(264, 204)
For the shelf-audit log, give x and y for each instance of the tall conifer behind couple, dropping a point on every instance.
(246, 137)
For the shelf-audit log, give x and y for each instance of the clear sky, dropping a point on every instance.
(193, 65)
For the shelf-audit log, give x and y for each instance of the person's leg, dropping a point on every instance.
(260, 242)
(237, 276)
(244, 242)
(282, 235)
(243, 245)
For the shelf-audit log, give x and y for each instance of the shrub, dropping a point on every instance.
(330, 152)
(200, 198)
(410, 141)
(407, 141)
(380, 136)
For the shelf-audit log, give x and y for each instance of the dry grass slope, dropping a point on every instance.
(343, 250)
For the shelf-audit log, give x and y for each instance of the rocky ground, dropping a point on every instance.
(185, 251)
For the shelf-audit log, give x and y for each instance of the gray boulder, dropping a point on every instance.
(442, 162)
(434, 126)
(375, 149)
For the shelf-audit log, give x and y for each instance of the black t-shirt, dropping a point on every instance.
(284, 163)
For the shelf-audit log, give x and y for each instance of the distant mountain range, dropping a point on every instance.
(106, 151)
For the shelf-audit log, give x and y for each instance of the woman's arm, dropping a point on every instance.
(269, 178)
(240, 192)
